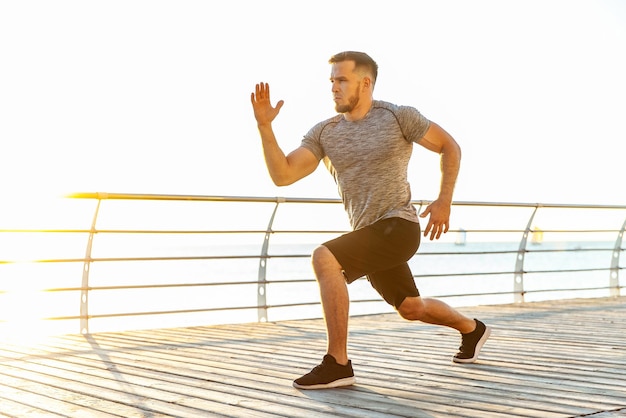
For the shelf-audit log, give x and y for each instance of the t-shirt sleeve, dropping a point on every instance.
(311, 141)
(414, 124)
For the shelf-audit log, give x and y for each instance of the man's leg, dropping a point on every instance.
(433, 311)
(335, 301)
(335, 369)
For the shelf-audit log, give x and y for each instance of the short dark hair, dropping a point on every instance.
(361, 60)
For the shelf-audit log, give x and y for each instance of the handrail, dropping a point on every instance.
(261, 291)
(261, 199)
(264, 280)
(617, 249)
(519, 263)
(84, 288)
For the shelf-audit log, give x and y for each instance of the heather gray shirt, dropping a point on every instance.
(369, 160)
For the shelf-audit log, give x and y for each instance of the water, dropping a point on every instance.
(440, 267)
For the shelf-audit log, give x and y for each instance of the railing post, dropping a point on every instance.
(614, 275)
(262, 280)
(518, 281)
(84, 287)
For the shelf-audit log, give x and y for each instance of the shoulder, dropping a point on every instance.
(331, 121)
(313, 138)
(395, 109)
(412, 123)
(318, 128)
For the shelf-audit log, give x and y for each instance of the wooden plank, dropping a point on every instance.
(236, 382)
(243, 373)
(15, 409)
(548, 359)
(38, 403)
(251, 361)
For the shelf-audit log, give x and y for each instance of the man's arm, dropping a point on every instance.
(438, 140)
(283, 170)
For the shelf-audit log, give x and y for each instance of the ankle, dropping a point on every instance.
(471, 326)
(341, 360)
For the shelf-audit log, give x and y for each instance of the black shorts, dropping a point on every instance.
(380, 251)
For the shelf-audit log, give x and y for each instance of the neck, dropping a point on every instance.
(359, 111)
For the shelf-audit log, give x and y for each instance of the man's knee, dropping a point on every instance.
(324, 261)
(411, 308)
(321, 256)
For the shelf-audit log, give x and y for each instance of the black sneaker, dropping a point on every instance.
(472, 343)
(327, 375)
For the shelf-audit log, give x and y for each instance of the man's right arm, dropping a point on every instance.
(283, 169)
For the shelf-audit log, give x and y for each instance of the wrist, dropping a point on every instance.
(445, 198)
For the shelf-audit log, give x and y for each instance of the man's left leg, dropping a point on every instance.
(436, 312)
(432, 311)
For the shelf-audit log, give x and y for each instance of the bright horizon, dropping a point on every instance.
(153, 97)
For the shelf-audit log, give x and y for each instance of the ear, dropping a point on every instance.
(367, 82)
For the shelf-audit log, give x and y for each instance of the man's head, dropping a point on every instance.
(363, 63)
(353, 76)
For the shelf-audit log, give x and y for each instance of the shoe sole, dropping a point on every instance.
(479, 346)
(346, 381)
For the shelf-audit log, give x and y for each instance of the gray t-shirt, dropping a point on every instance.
(369, 159)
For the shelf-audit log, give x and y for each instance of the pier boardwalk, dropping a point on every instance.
(546, 359)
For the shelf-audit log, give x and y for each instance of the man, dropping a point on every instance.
(367, 147)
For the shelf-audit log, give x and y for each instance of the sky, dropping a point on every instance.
(154, 96)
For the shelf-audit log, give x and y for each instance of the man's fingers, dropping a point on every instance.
(267, 91)
(435, 230)
(262, 91)
(428, 229)
(264, 112)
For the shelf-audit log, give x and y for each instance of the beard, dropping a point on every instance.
(352, 102)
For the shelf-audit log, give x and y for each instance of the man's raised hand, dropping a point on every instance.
(264, 112)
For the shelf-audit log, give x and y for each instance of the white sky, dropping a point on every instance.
(153, 96)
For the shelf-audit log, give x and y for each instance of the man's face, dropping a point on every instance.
(346, 86)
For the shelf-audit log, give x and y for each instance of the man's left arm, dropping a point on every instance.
(438, 140)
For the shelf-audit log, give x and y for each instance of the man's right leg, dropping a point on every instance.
(341, 261)
(336, 369)
(335, 301)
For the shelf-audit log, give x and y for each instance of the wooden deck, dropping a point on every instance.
(549, 359)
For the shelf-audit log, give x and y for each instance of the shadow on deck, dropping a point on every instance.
(547, 359)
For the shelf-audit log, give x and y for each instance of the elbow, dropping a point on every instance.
(281, 181)
(452, 149)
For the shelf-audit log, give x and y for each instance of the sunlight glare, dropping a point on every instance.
(22, 312)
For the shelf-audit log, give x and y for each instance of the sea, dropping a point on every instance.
(214, 277)
(226, 290)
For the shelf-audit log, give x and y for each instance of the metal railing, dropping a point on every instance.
(496, 241)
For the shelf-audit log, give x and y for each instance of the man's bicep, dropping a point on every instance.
(302, 162)
(436, 138)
